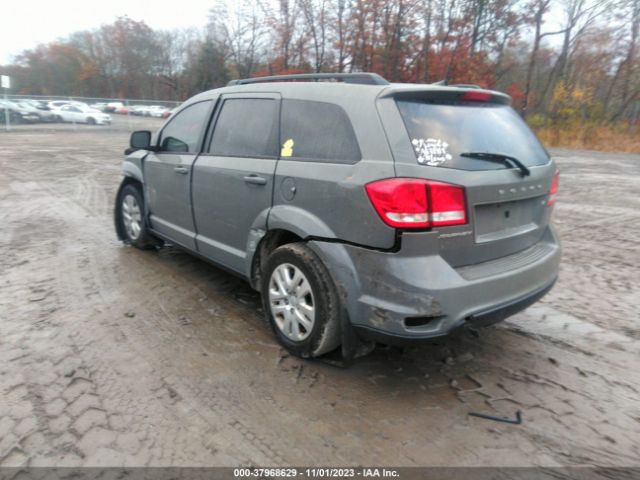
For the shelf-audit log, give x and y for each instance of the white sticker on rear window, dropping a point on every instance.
(431, 151)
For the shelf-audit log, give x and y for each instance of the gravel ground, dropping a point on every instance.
(114, 356)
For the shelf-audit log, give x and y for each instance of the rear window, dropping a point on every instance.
(440, 133)
(246, 127)
(317, 131)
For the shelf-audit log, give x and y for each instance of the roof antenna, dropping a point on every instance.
(442, 82)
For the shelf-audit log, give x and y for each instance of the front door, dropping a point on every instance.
(167, 174)
(233, 178)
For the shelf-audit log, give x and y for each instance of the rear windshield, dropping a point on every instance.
(440, 133)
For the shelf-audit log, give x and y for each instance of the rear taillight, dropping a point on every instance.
(417, 203)
(555, 183)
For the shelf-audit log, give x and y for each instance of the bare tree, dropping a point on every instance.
(316, 16)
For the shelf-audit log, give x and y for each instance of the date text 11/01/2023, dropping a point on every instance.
(320, 472)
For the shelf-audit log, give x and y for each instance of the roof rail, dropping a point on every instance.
(445, 83)
(364, 78)
(466, 85)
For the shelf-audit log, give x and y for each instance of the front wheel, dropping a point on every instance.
(91, 121)
(130, 215)
(301, 301)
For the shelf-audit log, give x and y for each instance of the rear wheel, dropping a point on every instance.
(91, 121)
(130, 206)
(301, 301)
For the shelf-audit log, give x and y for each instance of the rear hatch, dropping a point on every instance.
(474, 139)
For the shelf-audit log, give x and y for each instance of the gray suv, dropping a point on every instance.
(363, 211)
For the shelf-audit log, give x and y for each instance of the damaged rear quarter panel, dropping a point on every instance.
(379, 288)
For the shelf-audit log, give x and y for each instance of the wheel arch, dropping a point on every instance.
(277, 226)
(271, 240)
(132, 167)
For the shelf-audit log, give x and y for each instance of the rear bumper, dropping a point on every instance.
(410, 296)
(480, 319)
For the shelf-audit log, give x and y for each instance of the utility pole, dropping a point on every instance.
(5, 82)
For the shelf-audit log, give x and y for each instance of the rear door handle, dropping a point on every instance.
(181, 170)
(255, 180)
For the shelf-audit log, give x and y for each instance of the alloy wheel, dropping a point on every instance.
(131, 216)
(291, 302)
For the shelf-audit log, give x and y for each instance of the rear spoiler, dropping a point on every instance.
(445, 95)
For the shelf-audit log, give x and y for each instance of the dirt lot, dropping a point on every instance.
(113, 356)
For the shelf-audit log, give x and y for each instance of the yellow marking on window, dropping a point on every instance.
(287, 148)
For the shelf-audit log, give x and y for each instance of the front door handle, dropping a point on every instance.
(181, 170)
(255, 180)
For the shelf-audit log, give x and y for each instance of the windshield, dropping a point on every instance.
(440, 133)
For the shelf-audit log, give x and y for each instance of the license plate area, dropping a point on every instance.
(496, 221)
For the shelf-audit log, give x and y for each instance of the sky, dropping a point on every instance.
(27, 23)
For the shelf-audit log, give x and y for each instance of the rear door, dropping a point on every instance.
(233, 178)
(437, 136)
(167, 173)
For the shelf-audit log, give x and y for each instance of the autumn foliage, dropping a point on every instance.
(566, 63)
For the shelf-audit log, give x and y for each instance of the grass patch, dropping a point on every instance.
(605, 138)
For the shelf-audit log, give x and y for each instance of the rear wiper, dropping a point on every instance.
(500, 158)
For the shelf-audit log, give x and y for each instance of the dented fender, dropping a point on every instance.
(379, 288)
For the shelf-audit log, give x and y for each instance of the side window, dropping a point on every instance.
(184, 130)
(317, 131)
(246, 127)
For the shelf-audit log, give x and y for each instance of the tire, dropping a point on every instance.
(91, 120)
(59, 119)
(304, 332)
(130, 214)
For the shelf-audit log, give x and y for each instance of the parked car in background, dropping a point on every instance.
(39, 104)
(168, 113)
(91, 116)
(42, 114)
(57, 104)
(99, 106)
(138, 110)
(54, 105)
(17, 113)
(157, 111)
(113, 106)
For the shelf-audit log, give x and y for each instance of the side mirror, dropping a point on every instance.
(140, 140)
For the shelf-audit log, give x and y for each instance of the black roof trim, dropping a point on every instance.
(364, 78)
(445, 83)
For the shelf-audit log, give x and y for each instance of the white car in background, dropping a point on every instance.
(113, 106)
(157, 111)
(57, 104)
(138, 110)
(76, 114)
(99, 106)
